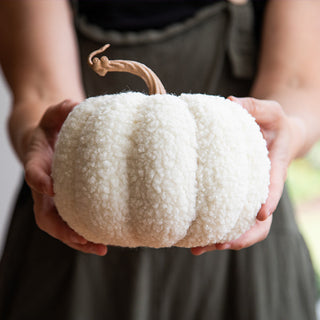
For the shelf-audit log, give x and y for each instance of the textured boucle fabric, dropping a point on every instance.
(158, 171)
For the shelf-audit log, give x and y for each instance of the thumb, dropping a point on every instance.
(55, 116)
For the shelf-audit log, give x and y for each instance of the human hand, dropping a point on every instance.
(280, 132)
(37, 164)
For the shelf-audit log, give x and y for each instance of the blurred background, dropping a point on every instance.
(303, 184)
(304, 188)
(10, 171)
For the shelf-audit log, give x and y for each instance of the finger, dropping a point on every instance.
(37, 176)
(39, 158)
(269, 114)
(55, 116)
(266, 112)
(90, 247)
(278, 174)
(49, 220)
(256, 234)
(197, 251)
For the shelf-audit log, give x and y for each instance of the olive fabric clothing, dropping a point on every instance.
(213, 52)
(137, 15)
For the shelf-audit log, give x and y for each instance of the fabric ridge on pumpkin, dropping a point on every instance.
(159, 171)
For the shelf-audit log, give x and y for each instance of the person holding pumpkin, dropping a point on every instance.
(265, 51)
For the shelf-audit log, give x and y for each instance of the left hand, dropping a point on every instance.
(37, 164)
(282, 135)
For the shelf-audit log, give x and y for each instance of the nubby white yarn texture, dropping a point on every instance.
(161, 170)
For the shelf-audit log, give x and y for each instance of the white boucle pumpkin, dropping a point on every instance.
(161, 170)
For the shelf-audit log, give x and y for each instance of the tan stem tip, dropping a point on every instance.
(103, 65)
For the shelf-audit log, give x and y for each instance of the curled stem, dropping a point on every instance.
(103, 65)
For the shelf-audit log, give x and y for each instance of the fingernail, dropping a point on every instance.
(200, 252)
(197, 251)
(233, 98)
(100, 250)
(264, 215)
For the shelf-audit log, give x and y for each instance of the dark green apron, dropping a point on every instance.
(40, 278)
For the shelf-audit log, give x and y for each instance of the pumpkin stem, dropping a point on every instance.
(103, 65)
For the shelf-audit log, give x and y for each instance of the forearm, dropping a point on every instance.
(25, 117)
(29, 107)
(301, 105)
(40, 62)
(20, 125)
(289, 68)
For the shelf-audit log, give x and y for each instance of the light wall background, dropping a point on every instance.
(10, 170)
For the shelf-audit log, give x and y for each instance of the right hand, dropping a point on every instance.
(283, 135)
(37, 165)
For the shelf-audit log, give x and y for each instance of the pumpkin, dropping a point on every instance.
(158, 170)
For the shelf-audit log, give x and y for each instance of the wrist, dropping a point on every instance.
(21, 141)
(21, 124)
(298, 130)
